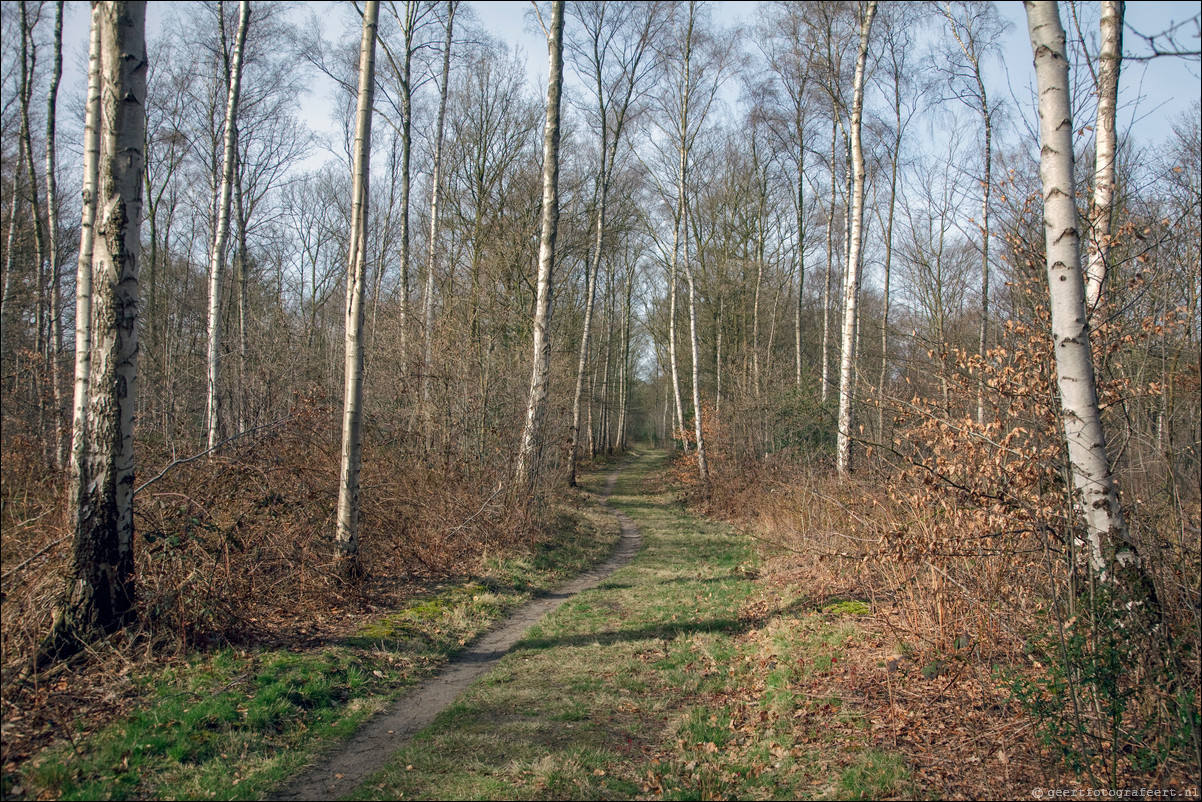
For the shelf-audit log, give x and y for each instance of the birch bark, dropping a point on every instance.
(531, 444)
(83, 274)
(698, 431)
(346, 537)
(99, 596)
(1110, 62)
(851, 284)
(1085, 440)
(217, 257)
(830, 262)
(672, 293)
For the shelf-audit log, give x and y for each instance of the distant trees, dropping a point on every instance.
(697, 65)
(612, 49)
(696, 178)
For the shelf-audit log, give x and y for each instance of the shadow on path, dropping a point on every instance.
(341, 772)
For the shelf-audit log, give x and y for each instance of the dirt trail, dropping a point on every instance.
(339, 773)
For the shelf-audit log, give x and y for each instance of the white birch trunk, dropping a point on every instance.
(1109, 64)
(100, 592)
(682, 196)
(801, 246)
(56, 304)
(755, 312)
(702, 465)
(1086, 442)
(679, 432)
(851, 284)
(435, 191)
(83, 274)
(589, 299)
(830, 266)
(347, 536)
(624, 393)
(217, 257)
(718, 361)
(532, 435)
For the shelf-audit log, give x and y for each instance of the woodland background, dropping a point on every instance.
(956, 508)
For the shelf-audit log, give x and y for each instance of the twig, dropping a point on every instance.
(28, 521)
(194, 457)
(972, 596)
(40, 552)
(749, 533)
(474, 515)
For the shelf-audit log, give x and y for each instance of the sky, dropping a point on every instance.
(1152, 92)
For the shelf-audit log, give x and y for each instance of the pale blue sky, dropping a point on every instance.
(1153, 92)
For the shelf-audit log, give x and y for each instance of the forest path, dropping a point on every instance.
(371, 747)
(687, 673)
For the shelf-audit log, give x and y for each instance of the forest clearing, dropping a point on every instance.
(597, 400)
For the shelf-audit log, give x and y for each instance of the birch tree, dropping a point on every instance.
(99, 597)
(435, 189)
(684, 145)
(698, 67)
(83, 275)
(410, 18)
(1110, 60)
(221, 232)
(347, 536)
(531, 443)
(56, 306)
(1085, 440)
(851, 283)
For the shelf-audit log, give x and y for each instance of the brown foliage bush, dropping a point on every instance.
(238, 545)
(968, 530)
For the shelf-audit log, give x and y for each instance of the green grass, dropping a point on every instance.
(652, 683)
(234, 724)
(222, 726)
(655, 683)
(874, 775)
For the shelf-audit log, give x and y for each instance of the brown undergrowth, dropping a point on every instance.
(236, 549)
(932, 675)
(995, 658)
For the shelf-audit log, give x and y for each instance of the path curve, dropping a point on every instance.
(340, 773)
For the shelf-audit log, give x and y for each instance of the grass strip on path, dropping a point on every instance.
(675, 678)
